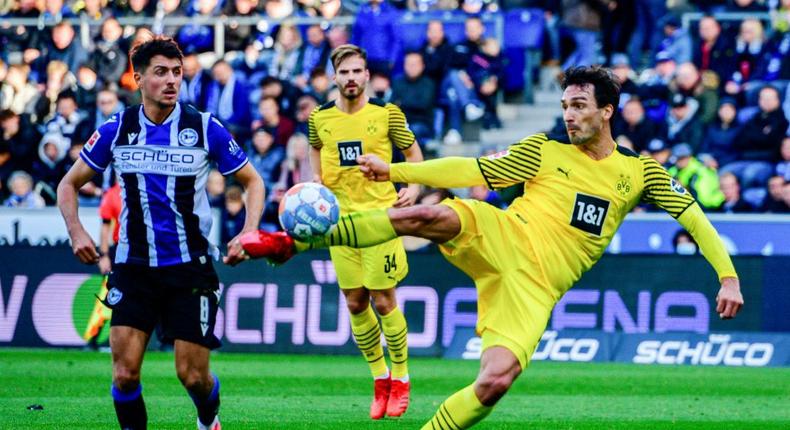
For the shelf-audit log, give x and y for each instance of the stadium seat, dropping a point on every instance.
(524, 28)
(411, 32)
(755, 196)
(746, 113)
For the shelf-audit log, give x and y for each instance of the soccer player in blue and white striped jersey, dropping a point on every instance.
(163, 270)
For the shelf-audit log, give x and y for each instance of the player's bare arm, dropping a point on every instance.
(254, 190)
(104, 246)
(81, 242)
(408, 196)
(315, 164)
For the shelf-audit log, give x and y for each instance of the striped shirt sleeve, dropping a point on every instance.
(399, 132)
(662, 190)
(517, 164)
(312, 131)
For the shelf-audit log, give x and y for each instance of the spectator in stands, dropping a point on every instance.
(279, 126)
(660, 151)
(312, 55)
(676, 41)
(682, 123)
(87, 86)
(21, 138)
(684, 243)
(304, 106)
(233, 213)
(486, 72)
(59, 79)
(718, 143)
(90, 193)
(18, 39)
(286, 52)
(106, 105)
(733, 201)
(778, 58)
(195, 83)
(415, 93)
(215, 187)
(700, 180)
(745, 6)
(238, 37)
(619, 21)
(266, 158)
(253, 65)
(94, 12)
(374, 31)
(173, 9)
(633, 127)
(56, 10)
(624, 74)
(750, 49)
(47, 169)
(227, 98)
(199, 37)
(654, 86)
(6, 167)
(689, 82)
(296, 167)
(139, 8)
(278, 9)
(109, 59)
(319, 85)
(783, 167)
(759, 141)
(583, 19)
(22, 196)
(380, 86)
(774, 201)
(782, 18)
(283, 92)
(458, 91)
(67, 116)
(62, 47)
(437, 53)
(18, 94)
(714, 51)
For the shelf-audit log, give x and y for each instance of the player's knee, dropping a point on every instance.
(491, 388)
(126, 379)
(192, 378)
(356, 306)
(412, 220)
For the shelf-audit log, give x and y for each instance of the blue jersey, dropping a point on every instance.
(163, 168)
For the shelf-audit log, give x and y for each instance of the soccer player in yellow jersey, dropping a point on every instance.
(340, 132)
(577, 191)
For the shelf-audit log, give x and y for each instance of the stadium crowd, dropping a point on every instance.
(711, 103)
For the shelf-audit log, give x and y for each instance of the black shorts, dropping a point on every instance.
(183, 298)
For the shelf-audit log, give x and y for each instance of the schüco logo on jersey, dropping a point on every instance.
(63, 307)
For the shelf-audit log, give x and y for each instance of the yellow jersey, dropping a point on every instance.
(343, 137)
(573, 204)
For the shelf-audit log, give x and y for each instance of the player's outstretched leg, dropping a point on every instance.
(498, 369)
(438, 223)
(128, 346)
(393, 323)
(192, 367)
(367, 334)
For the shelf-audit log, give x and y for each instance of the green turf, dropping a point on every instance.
(311, 392)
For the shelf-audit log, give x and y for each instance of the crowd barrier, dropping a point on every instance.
(627, 304)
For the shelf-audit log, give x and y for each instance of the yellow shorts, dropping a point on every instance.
(376, 268)
(514, 302)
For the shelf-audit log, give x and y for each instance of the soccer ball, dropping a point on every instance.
(308, 210)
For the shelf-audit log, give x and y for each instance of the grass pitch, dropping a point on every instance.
(329, 392)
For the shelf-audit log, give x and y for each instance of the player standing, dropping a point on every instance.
(163, 271)
(339, 132)
(577, 191)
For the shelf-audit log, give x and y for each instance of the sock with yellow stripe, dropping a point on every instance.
(357, 230)
(367, 333)
(460, 411)
(395, 331)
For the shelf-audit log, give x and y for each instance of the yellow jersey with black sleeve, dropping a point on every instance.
(343, 137)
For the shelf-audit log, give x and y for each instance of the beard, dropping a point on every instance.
(353, 93)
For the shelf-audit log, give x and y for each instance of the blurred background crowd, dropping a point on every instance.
(704, 93)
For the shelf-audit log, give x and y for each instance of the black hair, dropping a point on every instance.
(142, 53)
(606, 88)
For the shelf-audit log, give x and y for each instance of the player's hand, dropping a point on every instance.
(105, 264)
(83, 247)
(407, 196)
(729, 300)
(317, 179)
(374, 168)
(236, 253)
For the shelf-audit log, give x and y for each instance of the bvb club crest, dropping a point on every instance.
(372, 127)
(623, 185)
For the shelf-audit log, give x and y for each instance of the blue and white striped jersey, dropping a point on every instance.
(163, 168)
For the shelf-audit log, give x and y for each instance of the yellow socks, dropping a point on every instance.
(395, 331)
(357, 230)
(367, 333)
(460, 411)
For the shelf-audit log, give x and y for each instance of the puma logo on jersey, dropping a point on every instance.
(564, 172)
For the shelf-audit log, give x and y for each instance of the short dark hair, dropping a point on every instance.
(142, 53)
(607, 90)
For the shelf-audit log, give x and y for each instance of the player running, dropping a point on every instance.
(163, 271)
(577, 191)
(339, 132)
